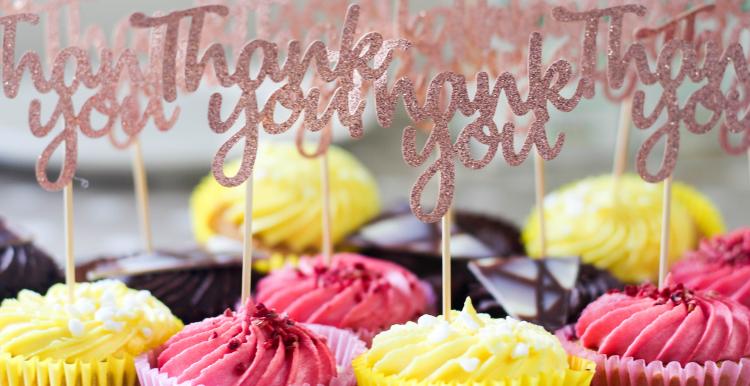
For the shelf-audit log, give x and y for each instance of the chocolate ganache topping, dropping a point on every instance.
(549, 292)
(194, 284)
(400, 237)
(23, 265)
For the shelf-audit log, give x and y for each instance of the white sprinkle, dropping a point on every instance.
(76, 327)
(84, 306)
(146, 332)
(111, 325)
(125, 313)
(426, 320)
(108, 298)
(521, 350)
(105, 313)
(468, 364)
(441, 332)
(72, 311)
(143, 296)
(468, 321)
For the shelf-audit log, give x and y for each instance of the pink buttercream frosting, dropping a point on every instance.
(673, 324)
(355, 292)
(720, 264)
(254, 346)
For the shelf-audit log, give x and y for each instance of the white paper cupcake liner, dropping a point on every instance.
(626, 371)
(344, 345)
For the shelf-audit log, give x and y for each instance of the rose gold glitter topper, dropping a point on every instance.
(368, 59)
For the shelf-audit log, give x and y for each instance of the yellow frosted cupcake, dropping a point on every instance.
(470, 349)
(621, 233)
(287, 204)
(46, 341)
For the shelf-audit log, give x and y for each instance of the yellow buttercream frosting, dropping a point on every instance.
(287, 200)
(621, 233)
(469, 349)
(46, 340)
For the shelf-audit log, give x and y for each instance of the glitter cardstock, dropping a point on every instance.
(189, 47)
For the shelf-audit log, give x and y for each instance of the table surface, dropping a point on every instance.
(106, 221)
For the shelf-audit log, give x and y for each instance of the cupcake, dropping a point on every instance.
(469, 349)
(23, 265)
(400, 237)
(194, 284)
(356, 293)
(255, 346)
(45, 340)
(620, 232)
(643, 336)
(548, 292)
(720, 264)
(287, 203)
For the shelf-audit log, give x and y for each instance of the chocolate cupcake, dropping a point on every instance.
(193, 284)
(400, 237)
(23, 265)
(548, 292)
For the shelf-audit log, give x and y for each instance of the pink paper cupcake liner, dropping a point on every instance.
(626, 371)
(344, 345)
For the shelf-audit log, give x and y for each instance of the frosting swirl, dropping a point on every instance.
(255, 346)
(287, 203)
(107, 320)
(620, 232)
(674, 324)
(720, 264)
(355, 292)
(469, 347)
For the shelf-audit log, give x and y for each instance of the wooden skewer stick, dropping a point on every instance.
(247, 244)
(70, 263)
(539, 191)
(623, 138)
(140, 183)
(325, 174)
(665, 228)
(446, 255)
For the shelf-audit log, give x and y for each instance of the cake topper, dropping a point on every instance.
(144, 43)
(105, 82)
(362, 64)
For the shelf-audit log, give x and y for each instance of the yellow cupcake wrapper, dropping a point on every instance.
(580, 373)
(110, 371)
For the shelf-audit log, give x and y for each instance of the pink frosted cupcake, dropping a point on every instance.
(255, 346)
(358, 293)
(644, 336)
(720, 264)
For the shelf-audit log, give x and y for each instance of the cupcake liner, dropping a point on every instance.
(580, 373)
(343, 344)
(627, 371)
(18, 371)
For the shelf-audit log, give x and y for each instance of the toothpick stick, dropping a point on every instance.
(326, 187)
(140, 183)
(665, 225)
(70, 263)
(539, 190)
(247, 245)
(446, 253)
(623, 136)
(748, 159)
